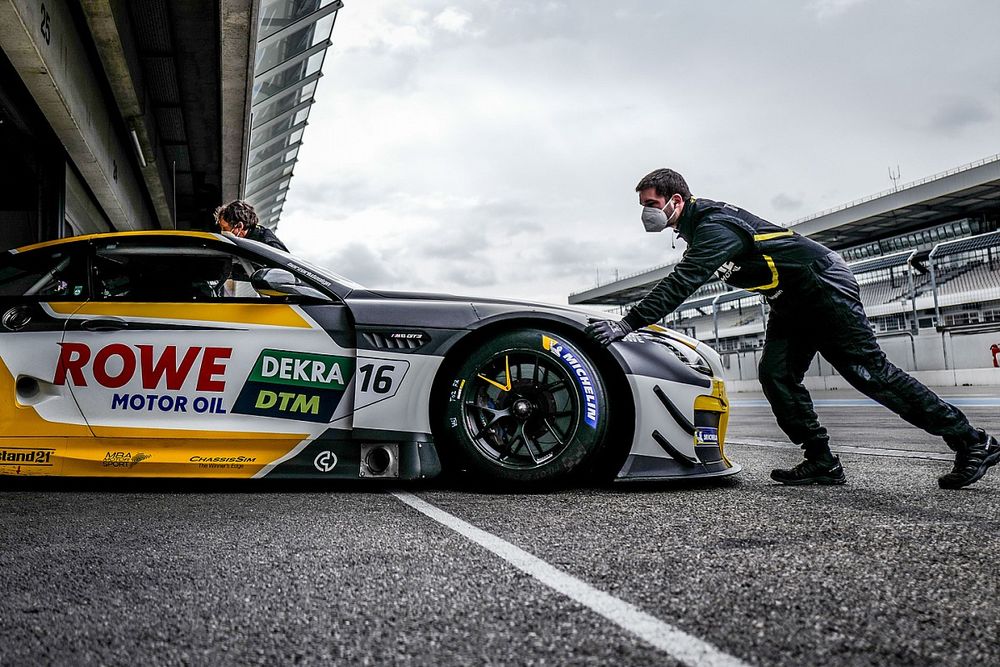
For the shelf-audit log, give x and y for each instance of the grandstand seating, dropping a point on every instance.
(975, 278)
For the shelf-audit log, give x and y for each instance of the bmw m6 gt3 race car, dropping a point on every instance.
(189, 354)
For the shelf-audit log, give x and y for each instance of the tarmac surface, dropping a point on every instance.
(887, 570)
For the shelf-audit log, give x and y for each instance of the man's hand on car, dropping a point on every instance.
(606, 332)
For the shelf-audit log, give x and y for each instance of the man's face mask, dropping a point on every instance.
(657, 219)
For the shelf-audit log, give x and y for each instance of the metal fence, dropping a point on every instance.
(958, 279)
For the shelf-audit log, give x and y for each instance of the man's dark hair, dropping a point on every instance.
(236, 213)
(666, 181)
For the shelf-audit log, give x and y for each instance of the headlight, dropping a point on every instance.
(685, 354)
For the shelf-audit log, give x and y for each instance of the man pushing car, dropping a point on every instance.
(815, 307)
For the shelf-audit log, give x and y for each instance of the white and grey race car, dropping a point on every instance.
(189, 354)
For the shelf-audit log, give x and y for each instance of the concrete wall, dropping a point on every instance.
(936, 359)
(42, 42)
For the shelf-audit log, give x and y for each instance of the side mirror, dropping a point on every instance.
(279, 282)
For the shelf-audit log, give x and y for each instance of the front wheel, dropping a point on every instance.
(526, 406)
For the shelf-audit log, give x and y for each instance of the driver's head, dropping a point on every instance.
(237, 217)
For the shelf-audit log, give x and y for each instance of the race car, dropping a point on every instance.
(191, 354)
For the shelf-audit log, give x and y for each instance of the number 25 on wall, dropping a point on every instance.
(46, 25)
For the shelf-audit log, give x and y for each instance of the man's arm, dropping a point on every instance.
(713, 245)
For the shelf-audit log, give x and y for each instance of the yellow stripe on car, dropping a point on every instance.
(87, 237)
(218, 454)
(271, 314)
(717, 402)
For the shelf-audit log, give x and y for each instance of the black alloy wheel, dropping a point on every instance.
(527, 406)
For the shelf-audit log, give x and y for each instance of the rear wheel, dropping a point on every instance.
(526, 406)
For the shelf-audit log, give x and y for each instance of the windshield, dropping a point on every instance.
(307, 267)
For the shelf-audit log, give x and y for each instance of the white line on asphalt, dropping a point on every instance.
(985, 401)
(849, 449)
(677, 643)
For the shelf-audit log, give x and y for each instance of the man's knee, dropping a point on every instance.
(867, 374)
(771, 373)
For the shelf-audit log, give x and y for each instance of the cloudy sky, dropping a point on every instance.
(492, 147)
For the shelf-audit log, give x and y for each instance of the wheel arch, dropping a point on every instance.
(607, 459)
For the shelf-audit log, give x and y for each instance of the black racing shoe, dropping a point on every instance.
(971, 463)
(812, 472)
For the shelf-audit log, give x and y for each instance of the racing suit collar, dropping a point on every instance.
(689, 218)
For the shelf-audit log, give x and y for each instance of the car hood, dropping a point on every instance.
(396, 308)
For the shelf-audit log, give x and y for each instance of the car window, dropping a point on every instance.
(46, 273)
(140, 270)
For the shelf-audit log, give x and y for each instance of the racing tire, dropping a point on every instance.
(526, 406)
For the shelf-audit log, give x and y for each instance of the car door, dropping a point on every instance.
(181, 368)
(38, 418)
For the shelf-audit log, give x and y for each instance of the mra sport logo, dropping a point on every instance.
(571, 359)
(295, 385)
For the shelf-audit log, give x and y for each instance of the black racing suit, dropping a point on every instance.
(815, 307)
(265, 235)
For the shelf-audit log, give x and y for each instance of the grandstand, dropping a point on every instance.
(927, 259)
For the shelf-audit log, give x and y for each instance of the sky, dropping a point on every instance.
(492, 147)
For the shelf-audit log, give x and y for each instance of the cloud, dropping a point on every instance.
(452, 20)
(957, 115)
(493, 148)
(784, 202)
(361, 263)
(825, 9)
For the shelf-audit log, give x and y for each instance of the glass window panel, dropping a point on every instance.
(277, 82)
(264, 169)
(264, 195)
(324, 28)
(265, 177)
(300, 116)
(257, 158)
(266, 134)
(308, 91)
(291, 45)
(276, 14)
(40, 274)
(314, 64)
(285, 48)
(283, 103)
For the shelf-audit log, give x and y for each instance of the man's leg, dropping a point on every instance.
(849, 344)
(783, 365)
(851, 347)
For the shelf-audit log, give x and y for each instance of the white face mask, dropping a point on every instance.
(656, 219)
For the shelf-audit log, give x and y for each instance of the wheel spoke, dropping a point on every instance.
(533, 449)
(552, 386)
(553, 431)
(511, 450)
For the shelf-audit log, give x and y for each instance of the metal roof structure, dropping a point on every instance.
(960, 192)
(965, 191)
(990, 240)
(292, 37)
(881, 263)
